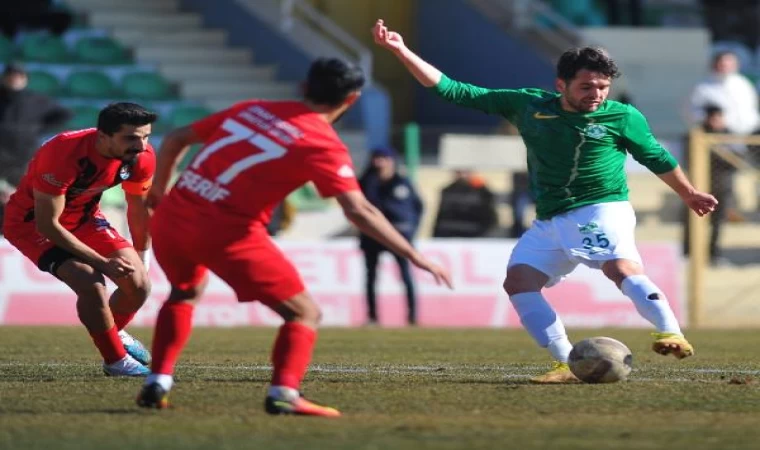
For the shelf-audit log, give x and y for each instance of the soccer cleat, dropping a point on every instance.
(559, 373)
(672, 343)
(300, 406)
(153, 396)
(135, 348)
(126, 367)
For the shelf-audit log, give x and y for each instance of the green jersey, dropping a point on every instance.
(574, 159)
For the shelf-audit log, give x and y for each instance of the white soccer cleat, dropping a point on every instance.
(126, 367)
(134, 348)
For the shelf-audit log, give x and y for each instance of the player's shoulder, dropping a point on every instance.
(537, 93)
(72, 137)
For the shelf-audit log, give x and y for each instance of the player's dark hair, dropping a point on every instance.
(113, 116)
(331, 80)
(711, 110)
(593, 59)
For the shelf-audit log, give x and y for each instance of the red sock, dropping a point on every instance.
(173, 328)
(121, 320)
(109, 345)
(292, 354)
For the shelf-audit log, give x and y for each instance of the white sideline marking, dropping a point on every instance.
(510, 371)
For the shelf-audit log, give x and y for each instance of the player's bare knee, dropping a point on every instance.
(300, 308)
(619, 269)
(522, 278)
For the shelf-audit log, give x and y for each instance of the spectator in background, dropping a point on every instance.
(467, 208)
(394, 195)
(24, 117)
(727, 89)
(32, 14)
(721, 185)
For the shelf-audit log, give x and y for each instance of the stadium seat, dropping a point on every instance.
(6, 49)
(185, 115)
(43, 82)
(100, 50)
(85, 116)
(90, 84)
(44, 48)
(146, 85)
(306, 198)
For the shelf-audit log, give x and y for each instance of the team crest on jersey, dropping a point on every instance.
(125, 172)
(595, 131)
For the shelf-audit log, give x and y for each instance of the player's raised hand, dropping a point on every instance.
(386, 38)
(117, 267)
(440, 274)
(701, 203)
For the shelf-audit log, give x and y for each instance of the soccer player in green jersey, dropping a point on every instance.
(577, 143)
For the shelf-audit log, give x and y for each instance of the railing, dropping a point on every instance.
(292, 11)
(534, 18)
(701, 146)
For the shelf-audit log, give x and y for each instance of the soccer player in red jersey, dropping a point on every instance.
(255, 153)
(54, 219)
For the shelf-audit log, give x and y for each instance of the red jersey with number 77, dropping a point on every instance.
(255, 154)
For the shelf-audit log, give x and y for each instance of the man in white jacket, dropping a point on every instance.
(727, 89)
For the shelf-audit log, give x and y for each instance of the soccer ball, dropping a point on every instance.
(600, 360)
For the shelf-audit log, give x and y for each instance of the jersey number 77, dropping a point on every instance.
(238, 132)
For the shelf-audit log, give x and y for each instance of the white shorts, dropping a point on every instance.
(590, 235)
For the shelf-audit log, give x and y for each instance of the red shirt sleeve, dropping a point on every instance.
(333, 171)
(206, 127)
(142, 174)
(50, 175)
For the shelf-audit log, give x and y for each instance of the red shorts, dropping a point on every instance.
(245, 258)
(97, 234)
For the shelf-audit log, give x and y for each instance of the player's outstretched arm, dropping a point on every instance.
(47, 211)
(701, 203)
(423, 71)
(138, 220)
(173, 146)
(372, 223)
(490, 101)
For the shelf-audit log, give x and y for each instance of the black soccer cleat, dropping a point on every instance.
(153, 396)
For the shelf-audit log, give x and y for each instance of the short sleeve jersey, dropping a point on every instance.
(70, 165)
(255, 154)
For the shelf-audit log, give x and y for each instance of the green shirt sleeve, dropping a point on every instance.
(505, 102)
(642, 145)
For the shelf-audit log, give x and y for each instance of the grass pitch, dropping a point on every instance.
(398, 389)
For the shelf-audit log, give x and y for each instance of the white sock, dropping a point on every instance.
(283, 393)
(543, 324)
(165, 381)
(651, 303)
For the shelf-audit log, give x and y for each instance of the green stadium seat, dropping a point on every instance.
(43, 82)
(146, 85)
(113, 198)
(306, 198)
(85, 116)
(7, 49)
(45, 48)
(185, 115)
(90, 84)
(100, 50)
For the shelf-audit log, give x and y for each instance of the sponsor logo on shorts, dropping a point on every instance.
(588, 228)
